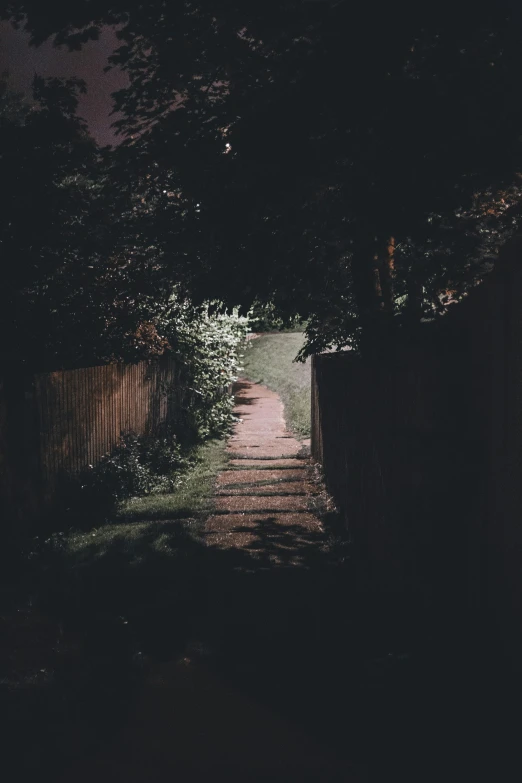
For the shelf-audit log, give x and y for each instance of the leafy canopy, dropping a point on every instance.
(273, 149)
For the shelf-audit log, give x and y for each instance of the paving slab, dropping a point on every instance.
(279, 538)
(274, 489)
(262, 503)
(297, 522)
(261, 452)
(267, 462)
(231, 477)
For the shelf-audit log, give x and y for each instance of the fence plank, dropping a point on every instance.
(82, 413)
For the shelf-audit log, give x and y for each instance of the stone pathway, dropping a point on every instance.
(263, 500)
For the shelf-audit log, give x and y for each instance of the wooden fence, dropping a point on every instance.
(58, 423)
(423, 453)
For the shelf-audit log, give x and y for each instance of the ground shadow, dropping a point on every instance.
(280, 619)
(239, 387)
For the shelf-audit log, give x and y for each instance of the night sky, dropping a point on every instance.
(23, 61)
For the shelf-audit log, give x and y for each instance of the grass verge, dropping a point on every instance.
(193, 497)
(269, 359)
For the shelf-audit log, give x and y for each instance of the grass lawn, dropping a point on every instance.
(269, 359)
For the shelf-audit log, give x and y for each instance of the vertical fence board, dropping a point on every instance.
(82, 413)
(422, 451)
(70, 419)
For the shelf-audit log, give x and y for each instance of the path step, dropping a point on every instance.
(263, 452)
(267, 463)
(267, 489)
(260, 503)
(265, 438)
(290, 531)
(251, 476)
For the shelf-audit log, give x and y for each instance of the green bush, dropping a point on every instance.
(207, 345)
(265, 317)
(138, 466)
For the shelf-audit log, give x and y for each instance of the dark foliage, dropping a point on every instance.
(138, 466)
(353, 673)
(47, 166)
(273, 149)
(265, 317)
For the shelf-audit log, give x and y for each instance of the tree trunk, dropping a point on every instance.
(366, 281)
(373, 271)
(415, 301)
(387, 274)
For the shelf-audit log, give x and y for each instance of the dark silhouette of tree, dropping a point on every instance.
(46, 166)
(323, 155)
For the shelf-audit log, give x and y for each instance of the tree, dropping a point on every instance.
(79, 286)
(46, 168)
(304, 141)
